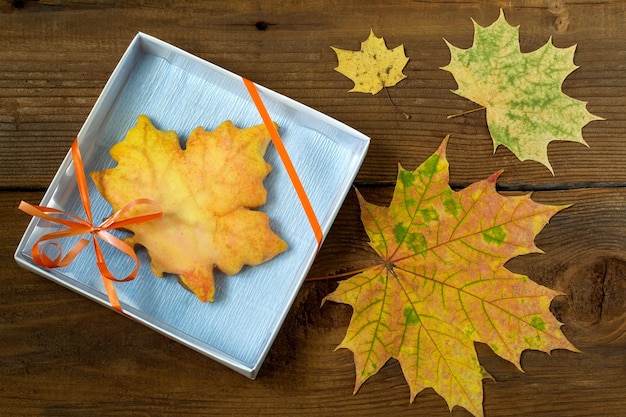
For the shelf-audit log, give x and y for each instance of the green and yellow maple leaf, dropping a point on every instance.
(521, 92)
(442, 284)
(373, 66)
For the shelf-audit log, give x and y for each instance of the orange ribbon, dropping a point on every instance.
(284, 156)
(77, 226)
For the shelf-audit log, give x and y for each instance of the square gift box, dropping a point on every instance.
(179, 91)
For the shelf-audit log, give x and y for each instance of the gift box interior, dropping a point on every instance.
(179, 91)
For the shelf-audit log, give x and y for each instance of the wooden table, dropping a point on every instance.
(61, 354)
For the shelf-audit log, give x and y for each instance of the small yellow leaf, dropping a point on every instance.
(373, 66)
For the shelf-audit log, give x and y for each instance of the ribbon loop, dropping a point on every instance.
(75, 226)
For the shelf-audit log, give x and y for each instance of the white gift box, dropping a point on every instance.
(179, 91)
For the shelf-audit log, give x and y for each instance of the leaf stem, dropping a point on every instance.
(342, 275)
(466, 112)
(406, 116)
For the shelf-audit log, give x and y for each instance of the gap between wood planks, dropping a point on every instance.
(513, 187)
(383, 184)
(561, 186)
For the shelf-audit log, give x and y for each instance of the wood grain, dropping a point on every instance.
(66, 355)
(54, 71)
(62, 355)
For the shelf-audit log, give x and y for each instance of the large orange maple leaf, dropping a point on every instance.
(206, 193)
(442, 284)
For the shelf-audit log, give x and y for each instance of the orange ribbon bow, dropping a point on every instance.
(77, 226)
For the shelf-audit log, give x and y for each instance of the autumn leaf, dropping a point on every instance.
(521, 92)
(206, 193)
(442, 285)
(373, 66)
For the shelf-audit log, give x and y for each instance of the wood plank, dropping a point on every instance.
(55, 57)
(64, 355)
